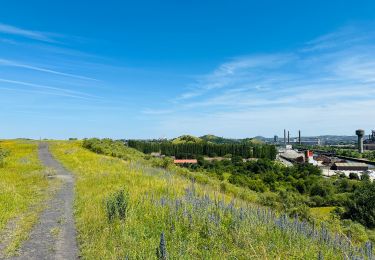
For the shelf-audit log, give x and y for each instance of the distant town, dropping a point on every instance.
(332, 154)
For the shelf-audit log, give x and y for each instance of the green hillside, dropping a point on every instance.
(187, 139)
(145, 208)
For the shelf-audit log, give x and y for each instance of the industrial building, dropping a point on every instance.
(349, 166)
(369, 144)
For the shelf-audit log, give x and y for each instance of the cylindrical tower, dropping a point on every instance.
(299, 137)
(284, 137)
(360, 133)
(288, 138)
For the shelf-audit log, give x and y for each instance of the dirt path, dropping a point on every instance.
(54, 237)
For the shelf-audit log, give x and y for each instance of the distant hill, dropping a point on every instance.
(221, 140)
(218, 140)
(255, 140)
(187, 139)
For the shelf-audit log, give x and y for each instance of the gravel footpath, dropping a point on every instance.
(54, 236)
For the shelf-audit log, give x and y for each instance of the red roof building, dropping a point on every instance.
(182, 161)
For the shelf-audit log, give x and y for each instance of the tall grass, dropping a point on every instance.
(22, 188)
(168, 216)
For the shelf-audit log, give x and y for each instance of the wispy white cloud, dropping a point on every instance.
(330, 82)
(13, 30)
(47, 90)
(5, 62)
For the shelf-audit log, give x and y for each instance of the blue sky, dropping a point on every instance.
(150, 69)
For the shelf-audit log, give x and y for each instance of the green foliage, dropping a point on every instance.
(361, 207)
(322, 189)
(187, 139)
(186, 147)
(354, 230)
(165, 163)
(365, 176)
(294, 204)
(117, 205)
(288, 189)
(244, 181)
(353, 176)
(236, 160)
(112, 148)
(199, 222)
(349, 152)
(3, 154)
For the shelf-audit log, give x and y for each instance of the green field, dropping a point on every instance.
(197, 221)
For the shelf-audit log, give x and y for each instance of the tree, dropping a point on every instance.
(361, 207)
(365, 176)
(353, 176)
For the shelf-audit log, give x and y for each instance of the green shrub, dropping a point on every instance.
(361, 207)
(269, 199)
(353, 176)
(355, 231)
(117, 205)
(3, 154)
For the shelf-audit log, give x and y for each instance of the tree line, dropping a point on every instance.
(193, 150)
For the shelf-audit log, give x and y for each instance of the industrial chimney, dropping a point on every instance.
(284, 137)
(288, 138)
(299, 137)
(360, 133)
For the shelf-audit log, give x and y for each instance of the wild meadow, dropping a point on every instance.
(126, 208)
(23, 188)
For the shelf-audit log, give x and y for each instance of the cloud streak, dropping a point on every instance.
(35, 35)
(49, 90)
(10, 63)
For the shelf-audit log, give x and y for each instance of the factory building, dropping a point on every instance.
(369, 144)
(349, 166)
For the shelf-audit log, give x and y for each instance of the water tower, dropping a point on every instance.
(360, 133)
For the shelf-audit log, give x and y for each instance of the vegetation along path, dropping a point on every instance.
(54, 237)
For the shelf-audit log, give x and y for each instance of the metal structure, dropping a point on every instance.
(284, 137)
(372, 136)
(360, 133)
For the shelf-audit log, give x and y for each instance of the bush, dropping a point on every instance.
(323, 189)
(242, 180)
(365, 176)
(268, 199)
(355, 231)
(293, 203)
(3, 154)
(117, 205)
(361, 207)
(353, 176)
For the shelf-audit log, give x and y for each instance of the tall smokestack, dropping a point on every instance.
(284, 136)
(288, 138)
(360, 133)
(299, 137)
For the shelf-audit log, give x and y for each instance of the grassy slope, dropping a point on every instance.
(158, 204)
(22, 189)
